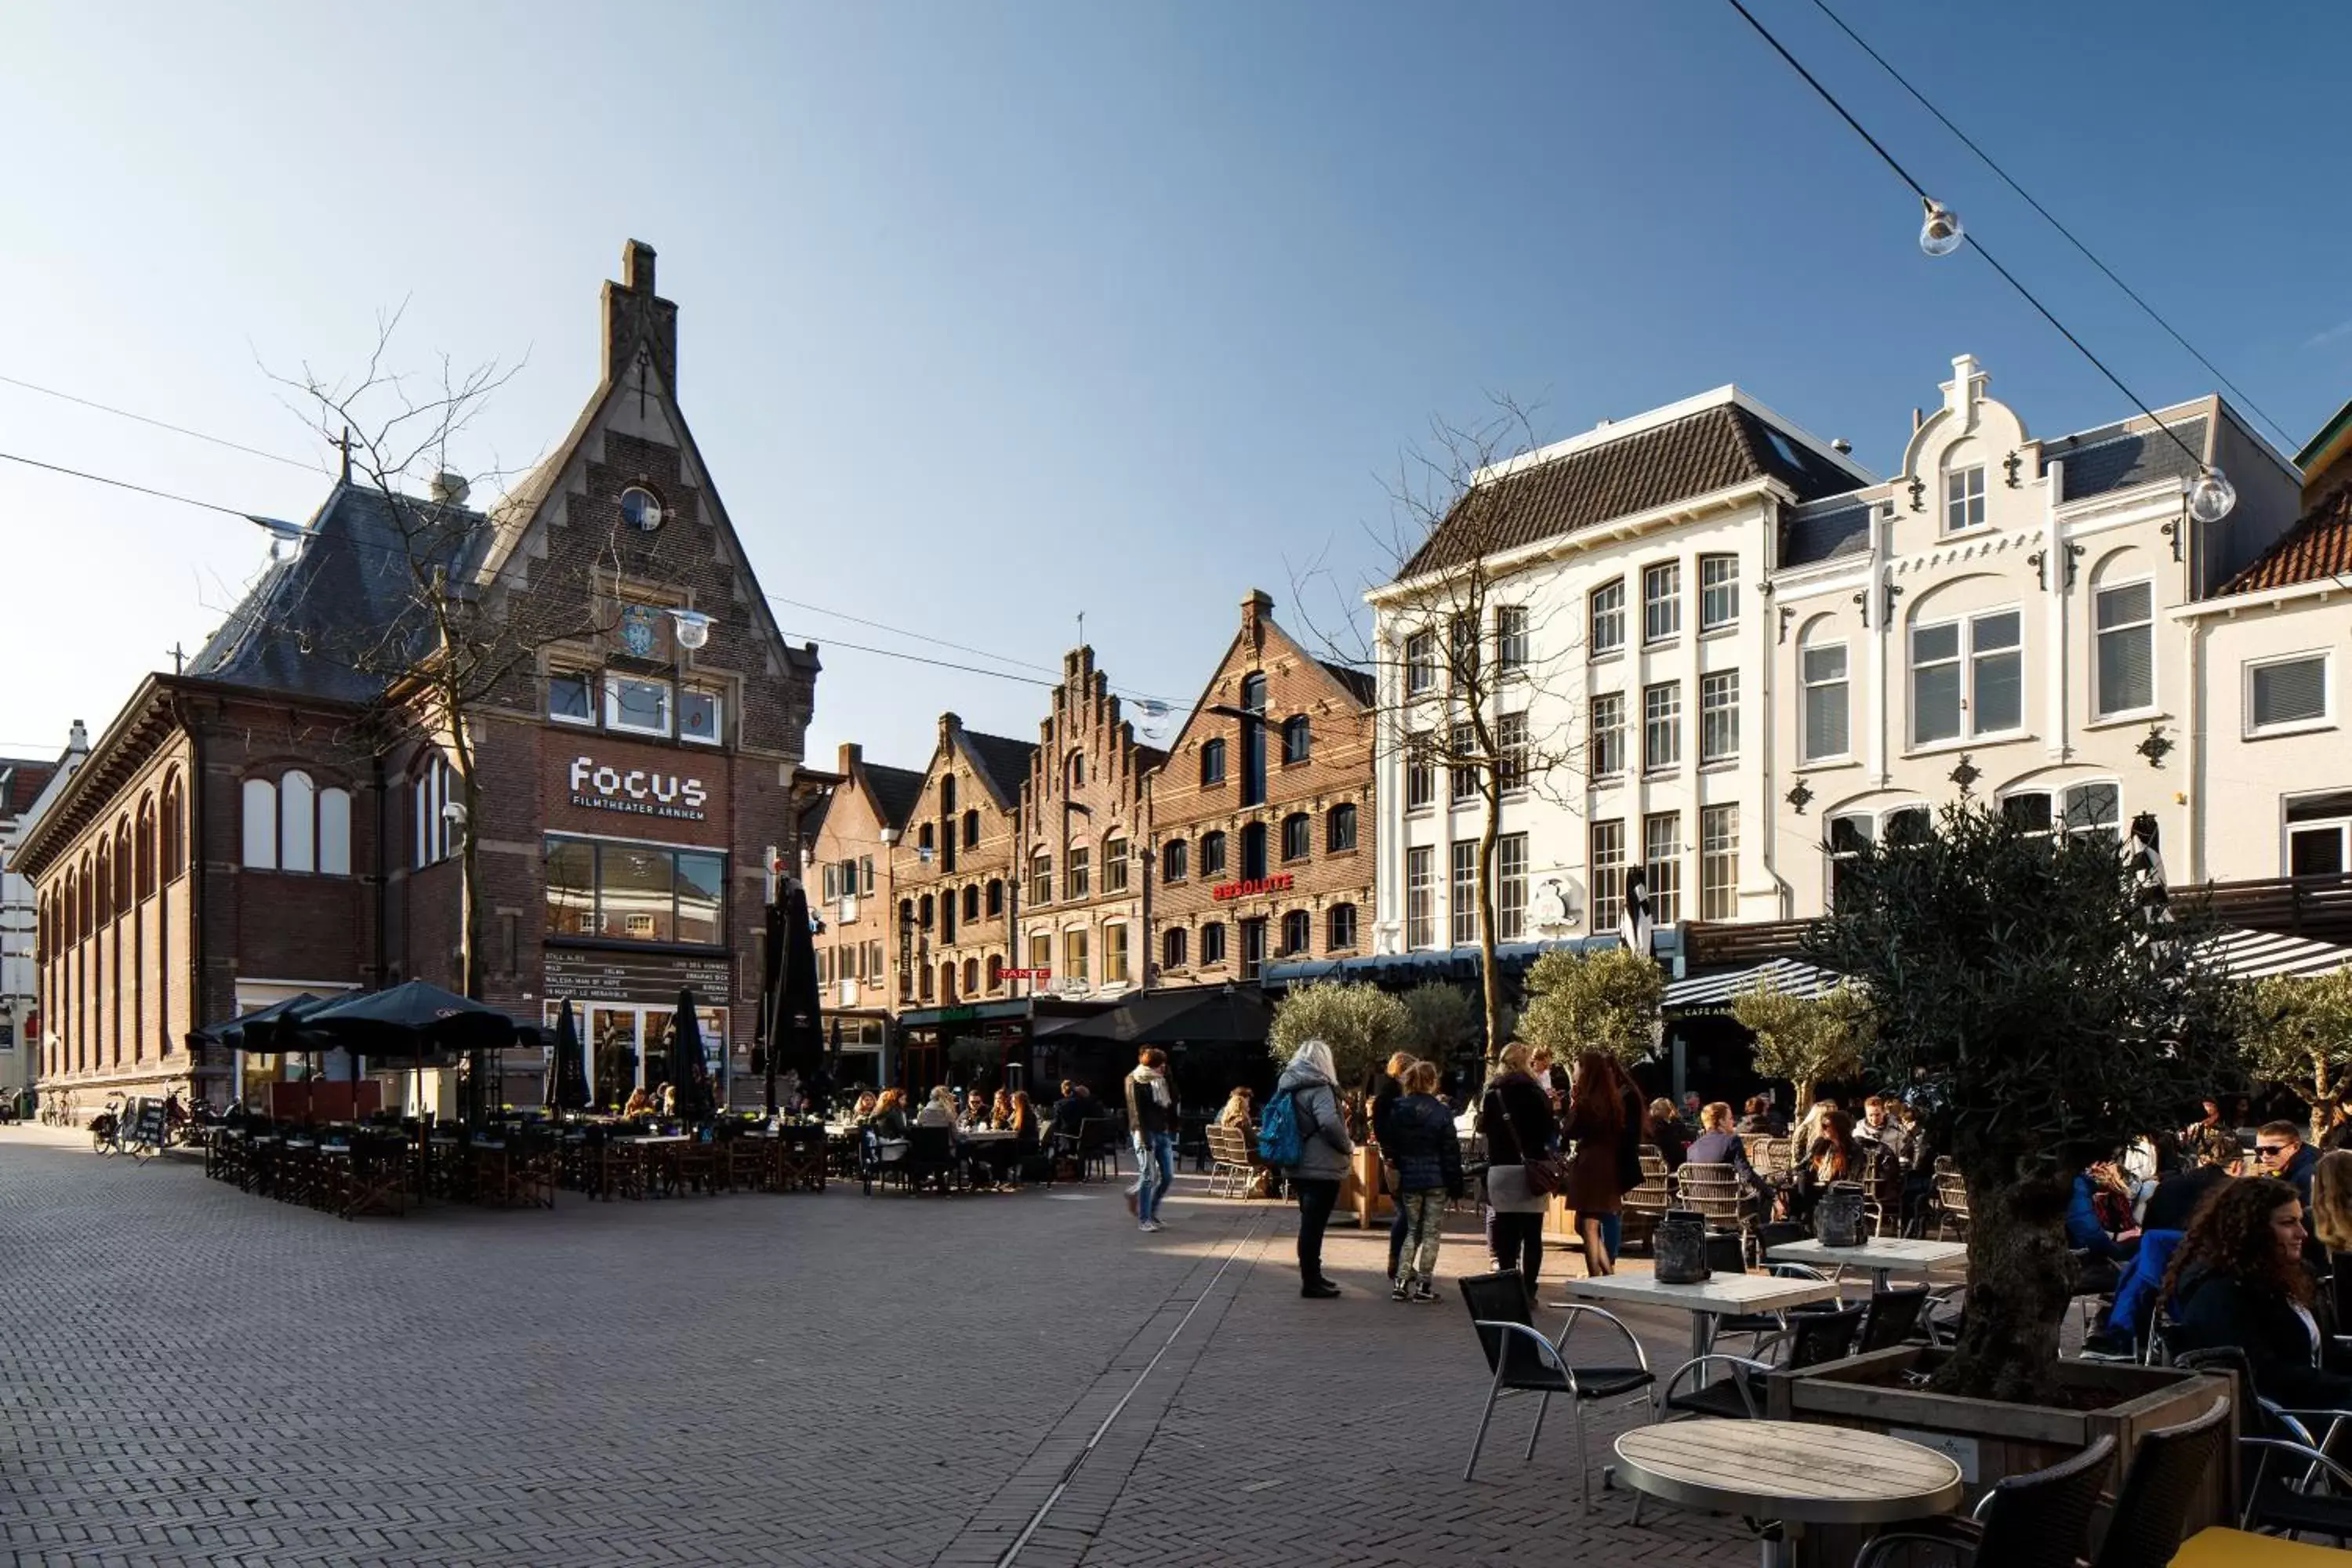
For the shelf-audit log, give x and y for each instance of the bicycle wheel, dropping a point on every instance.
(101, 1142)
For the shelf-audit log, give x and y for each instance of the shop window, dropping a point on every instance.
(634, 892)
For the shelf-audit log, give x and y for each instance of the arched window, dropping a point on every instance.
(1213, 854)
(971, 976)
(1172, 944)
(176, 828)
(1298, 836)
(1339, 830)
(334, 832)
(923, 912)
(971, 902)
(126, 858)
(91, 875)
(1297, 931)
(104, 885)
(298, 823)
(996, 972)
(924, 971)
(1077, 770)
(1339, 934)
(924, 838)
(905, 912)
(1212, 762)
(947, 982)
(146, 846)
(971, 830)
(1252, 851)
(1173, 860)
(70, 929)
(1297, 743)
(995, 897)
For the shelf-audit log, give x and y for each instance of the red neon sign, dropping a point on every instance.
(1225, 891)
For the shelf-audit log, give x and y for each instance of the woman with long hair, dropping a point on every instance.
(1604, 1117)
(1517, 1120)
(2331, 1203)
(1832, 1157)
(2239, 1279)
(1663, 1130)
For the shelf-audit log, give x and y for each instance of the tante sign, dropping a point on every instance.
(1224, 892)
(646, 792)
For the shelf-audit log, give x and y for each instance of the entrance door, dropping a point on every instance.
(612, 1048)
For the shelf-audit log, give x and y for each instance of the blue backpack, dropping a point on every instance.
(1277, 1131)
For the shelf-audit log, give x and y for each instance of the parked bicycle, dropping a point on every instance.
(57, 1111)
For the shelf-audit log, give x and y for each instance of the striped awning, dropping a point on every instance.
(1712, 993)
(2258, 954)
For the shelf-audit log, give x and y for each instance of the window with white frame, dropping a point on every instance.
(1079, 878)
(700, 715)
(1719, 592)
(1608, 633)
(1662, 726)
(1826, 701)
(1420, 663)
(571, 697)
(2319, 835)
(1511, 746)
(1421, 897)
(1850, 834)
(1462, 633)
(1463, 904)
(1462, 774)
(1608, 866)
(1420, 772)
(637, 705)
(1966, 678)
(1661, 860)
(1339, 928)
(1607, 741)
(2094, 807)
(2286, 693)
(1718, 862)
(1511, 888)
(430, 792)
(1718, 716)
(2124, 618)
(1964, 498)
(1511, 639)
(1662, 602)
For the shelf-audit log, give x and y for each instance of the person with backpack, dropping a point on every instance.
(1302, 1132)
(1427, 1153)
(1151, 1119)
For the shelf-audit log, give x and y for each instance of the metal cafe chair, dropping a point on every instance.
(1523, 1362)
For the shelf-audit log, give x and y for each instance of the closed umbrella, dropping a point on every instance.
(802, 1024)
(686, 1061)
(1636, 923)
(567, 1070)
(765, 1033)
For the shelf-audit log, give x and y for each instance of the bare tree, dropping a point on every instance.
(1469, 658)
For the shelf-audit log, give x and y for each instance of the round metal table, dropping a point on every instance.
(1792, 1471)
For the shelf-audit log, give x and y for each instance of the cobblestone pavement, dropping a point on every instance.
(192, 1375)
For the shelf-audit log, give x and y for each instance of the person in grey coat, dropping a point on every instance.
(1324, 1148)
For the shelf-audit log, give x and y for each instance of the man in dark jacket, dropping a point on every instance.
(2177, 1195)
(1720, 1145)
(2282, 1152)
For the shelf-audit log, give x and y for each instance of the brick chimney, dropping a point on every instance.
(1257, 610)
(634, 313)
(852, 753)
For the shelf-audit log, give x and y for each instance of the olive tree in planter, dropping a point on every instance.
(1808, 1040)
(2298, 1032)
(2034, 1008)
(1606, 1000)
(1362, 1024)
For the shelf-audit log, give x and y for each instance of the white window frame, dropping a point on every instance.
(1608, 875)
(613, 680)
(2338, 826)
(1810, 691)
(1462, 891)
(586, 680)
(1719, 717)
(1719, 592)
(1420, 663)
(1969, 658)
(1606, 735)
(1662, 607)
(1718, 862)
(2255, 730)
(1664, 873)
(1419, 772)
(1964, 498)
(717, 735)
(1511, 887)
(2099, 636)
(1606, 609)
(1511, 641)
(1511, 749)
(1661, 720)
(1420, 897)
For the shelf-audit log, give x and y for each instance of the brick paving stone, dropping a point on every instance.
(197, 1378)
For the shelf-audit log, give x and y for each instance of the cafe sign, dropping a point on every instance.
(1025, 973)
(642, 792)
(1224, 892)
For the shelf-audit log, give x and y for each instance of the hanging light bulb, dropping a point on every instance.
(2210, 496)
(1940, 233)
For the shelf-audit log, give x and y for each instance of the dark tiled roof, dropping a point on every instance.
(1712, 449)
(895, 791)
(2318, 546)
(1004, 762)
(1359, 682)
(2119, 457)
(337, 618)
(21, 783)
(1825, 530)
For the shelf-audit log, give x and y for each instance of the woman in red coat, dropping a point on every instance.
(1604, 1117)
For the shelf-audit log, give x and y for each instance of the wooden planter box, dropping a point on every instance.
(1991, 1441)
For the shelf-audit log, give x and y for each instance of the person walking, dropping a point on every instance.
(1151, 1119)
(1604, 1117)
(1312, 1085)
(1427, 1153)
(1515, 1118)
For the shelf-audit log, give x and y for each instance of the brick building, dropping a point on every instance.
(1262, 817)
(25, 787)
(287, 816)
(848, 866)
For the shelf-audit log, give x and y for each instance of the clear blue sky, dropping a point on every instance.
(991, 313)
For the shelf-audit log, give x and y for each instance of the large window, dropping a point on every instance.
(1719, 592)
(1420, 664)
(1297, 740)
(1339, 928)
(1662, 858)
(1114, 953)
(1421, 897)
(1212, 762)
(1608, 738)
(1511, 749)
(1511, 888)
(1420, 772)
(1662, 602)
(634, 892)
(1964, 498)
(294, 826)
(2095, 807)
(2319, 835)
(1461, 783)
(635, 705)
(1966, 678)
(2125, 616)
(1662, 726)
(1175, 860)
(571, 697)
(1826, 701)
(1213, 854)
(1718, 863)
(1718, 716)
(1511, 639)
(1114, 865)
(1080, 880)
(1339, 828)
(1464, 901)
(1298, 836)
(2286, 693)
(1608, 633)
(1608, 868)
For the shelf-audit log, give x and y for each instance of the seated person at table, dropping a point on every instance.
(1000, 1112)
(641, 1102)
(2098, 1223)
(1236, 1112)
(1717, 1144)
(940, 1111)
(1663, 1130)
(1832, 1158)
(1020, 1120)
(1078, 1108)
(889, 1119)
(863, 1111)
(2179, 1196)
(974, 1117)
(1759, 1118)
(2239, 1279)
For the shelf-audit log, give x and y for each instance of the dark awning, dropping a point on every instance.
(1237, 1014)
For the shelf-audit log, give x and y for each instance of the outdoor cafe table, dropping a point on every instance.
(1792, 1471)
(1882, 1256)
(1724, 1294)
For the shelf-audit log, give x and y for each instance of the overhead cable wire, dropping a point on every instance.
(1973, 242)
(166, 424)
(127, 485)
(2027, 196)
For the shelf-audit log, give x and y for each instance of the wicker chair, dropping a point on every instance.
(1231, 1172)
(1640, 1210)
(1719, 1195)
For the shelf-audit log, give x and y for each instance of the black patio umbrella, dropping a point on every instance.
(765, 1032)
(254, 1031)
(790, 1016)
(567, 1073)
(687, 1060)
(414, 1019)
